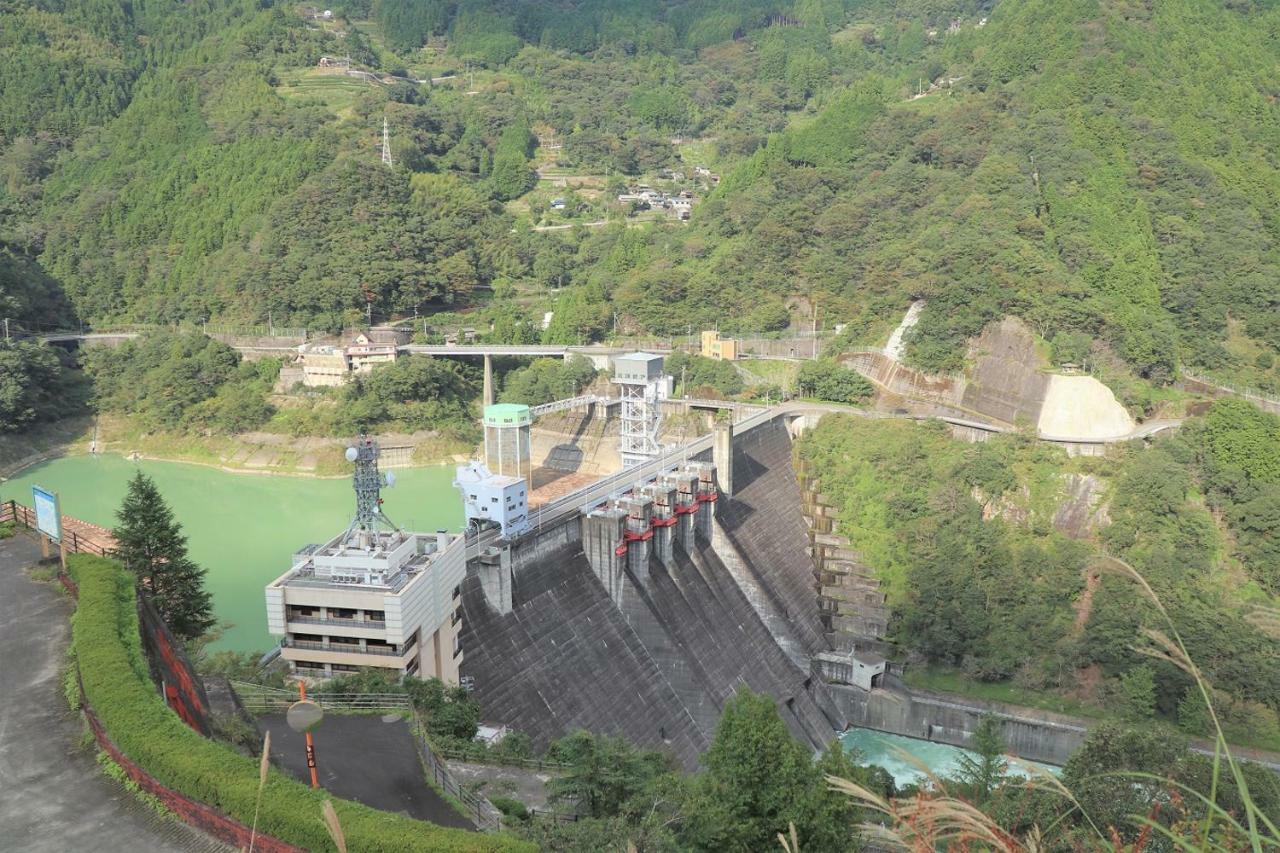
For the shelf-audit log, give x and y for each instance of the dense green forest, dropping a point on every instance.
(984, 576)
(1099, 168)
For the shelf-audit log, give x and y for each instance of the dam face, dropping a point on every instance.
(597, 624)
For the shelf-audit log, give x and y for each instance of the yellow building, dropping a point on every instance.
(721, 349)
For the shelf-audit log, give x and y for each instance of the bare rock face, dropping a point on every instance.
(1006, 383)
(1010, 507)
(1081, 511)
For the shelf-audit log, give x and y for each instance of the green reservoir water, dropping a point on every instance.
(888, 751)
(243, 528)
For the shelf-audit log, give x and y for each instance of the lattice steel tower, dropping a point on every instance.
(642, 386)
(386, 144)
(367, 482)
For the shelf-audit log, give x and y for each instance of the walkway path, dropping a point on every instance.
(368, 758)
(55, 797)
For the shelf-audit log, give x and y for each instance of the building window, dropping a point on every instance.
(493, 500)
(457, 591)
(457, 616)
(457, 646)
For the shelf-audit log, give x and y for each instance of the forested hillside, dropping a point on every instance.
(1104, 169)
(991, 557)
(168, 161)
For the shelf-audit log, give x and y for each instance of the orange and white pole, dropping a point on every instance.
(311, 747)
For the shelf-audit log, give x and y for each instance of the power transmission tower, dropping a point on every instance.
(386, 144)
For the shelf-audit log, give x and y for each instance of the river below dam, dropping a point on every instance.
(242, 528)
(904, 757)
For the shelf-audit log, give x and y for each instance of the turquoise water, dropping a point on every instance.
(243, 528)
(888, 750)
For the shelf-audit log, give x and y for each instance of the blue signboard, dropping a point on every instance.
(48, 515)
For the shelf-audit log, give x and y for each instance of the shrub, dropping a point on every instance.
(118, 688)
(511, 808)
(828, 380)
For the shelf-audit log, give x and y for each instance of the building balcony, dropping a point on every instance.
(340, 623)
(347, 648)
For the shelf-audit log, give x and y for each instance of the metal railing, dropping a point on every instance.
(482, 754)
(25, 517)
(1254, 395)
(261, 699)
(485, 814)
(337, 622)
(346, 648)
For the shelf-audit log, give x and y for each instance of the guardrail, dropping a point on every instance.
(347, 648)
(486, 815)
(483, 755)
(336, 622)
(261, 699)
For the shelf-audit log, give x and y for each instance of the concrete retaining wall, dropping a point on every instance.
(944, 720)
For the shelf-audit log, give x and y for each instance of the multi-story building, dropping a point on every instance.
(383, 600)
(324, 366)
(373, 596)
(489, 498)
(721, 349)
(367, 351)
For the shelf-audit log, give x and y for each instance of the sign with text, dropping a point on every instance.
(48, 514)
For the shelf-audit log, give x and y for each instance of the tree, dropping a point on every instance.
(603, 774)
(34, 386)
(547, 379)
(759, 780)
(981, 772)
(1137, 693)
(150, 543)
(828, 380)
(450, 711)
(1119, 772)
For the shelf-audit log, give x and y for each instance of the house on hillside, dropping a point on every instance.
(324, 366)
(369, 349)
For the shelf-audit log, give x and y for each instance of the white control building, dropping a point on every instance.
(373, 596)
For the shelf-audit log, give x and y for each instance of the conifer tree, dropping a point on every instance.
(981, 773)
(150, 543)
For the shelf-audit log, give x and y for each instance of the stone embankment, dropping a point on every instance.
(1030, 734)
(1008, 386)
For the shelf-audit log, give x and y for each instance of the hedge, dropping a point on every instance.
(118, 688)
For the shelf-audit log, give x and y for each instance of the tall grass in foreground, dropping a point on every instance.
(937, 821)
(263, 766)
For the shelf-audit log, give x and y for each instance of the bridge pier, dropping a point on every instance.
(722, 456)
(488, 380)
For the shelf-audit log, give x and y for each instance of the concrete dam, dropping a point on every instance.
(643, 615)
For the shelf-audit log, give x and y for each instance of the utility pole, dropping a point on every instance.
(6, 330)
(387, 145)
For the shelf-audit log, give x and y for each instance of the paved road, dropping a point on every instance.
(53, 797)
(366, 758)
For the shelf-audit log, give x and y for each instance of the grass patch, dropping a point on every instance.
(770, 372)
(115, 771)
(943, 680)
